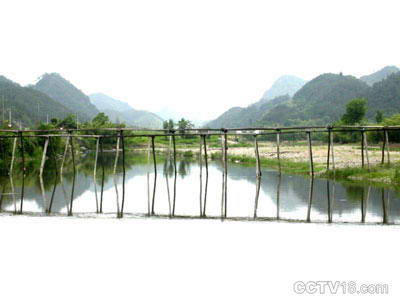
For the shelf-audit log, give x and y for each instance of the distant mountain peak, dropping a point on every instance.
(284, 85)
(380, 75)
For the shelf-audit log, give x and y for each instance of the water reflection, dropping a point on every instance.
(192, 190)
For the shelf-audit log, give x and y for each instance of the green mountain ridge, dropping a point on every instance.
(379, 75)
(61, 90)
(28, 106)
(121, 112)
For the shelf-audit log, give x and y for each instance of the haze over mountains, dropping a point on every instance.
(320, 101)
(55, 97)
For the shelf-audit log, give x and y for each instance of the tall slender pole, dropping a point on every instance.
(257, 155)
(115, 174)
(362, 149)
(95, 172)
(278, 195)
(23, 171)
(310, 153)
(329, 148)
(73, 175)
(206, 183)
(332, 152)
(226, 173)
(387, 147)
(167, 164)
(366, 147)
(383, 147)
(148, 177)
(123, 173)
(201, 175)
(278, 133)
(46, 143)
(53, 152)
(155, 174)
(102, 174)
(310, 199)
(258, 184)
(175, 172)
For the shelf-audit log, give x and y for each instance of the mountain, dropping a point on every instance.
(246, 117)
(319, 102)
(379, 75)
(384, 96)
(285, 85)
(121, 112)
(61, 90)
(28, 105)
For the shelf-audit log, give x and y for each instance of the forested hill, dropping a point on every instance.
(121, 112)
(27, 105)
(285, 85)
(379, 75)
(61, 90)
(320, 101)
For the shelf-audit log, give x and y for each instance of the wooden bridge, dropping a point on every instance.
(19, 138)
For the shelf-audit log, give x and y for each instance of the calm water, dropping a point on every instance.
(281, 196)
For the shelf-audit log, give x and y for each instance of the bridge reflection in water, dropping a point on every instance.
(150, 184)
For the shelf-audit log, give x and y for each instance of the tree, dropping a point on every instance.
(379, 116)
(168, 124)
(100, 120)
(355, 111)
(184, 125)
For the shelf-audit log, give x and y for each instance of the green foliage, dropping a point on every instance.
(379, 116)
(355, 112)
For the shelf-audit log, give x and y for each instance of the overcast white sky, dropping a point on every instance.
(195, 57)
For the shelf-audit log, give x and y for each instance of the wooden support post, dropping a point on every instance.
(310, 153)
(65, 154)
(102, 174)
(226, 173)
(257, 155)
(258, 185)
(175, 172)
(53, 152)
(95, 173)
(328, 193)
(123, 173)
(310, 199)
(332, 152)
(73, 175)
(11, 169)
(362, 207)
(155, 174)
(384, 210)
(23, 172)
(148, 177)
(278, 196)
(387, 146)
(329, 148)
(46, 144)
(168, 161)
(362, 149)
(115, 179)
(206, 183)
(278, 133)
(223, 177)
(366, 148)
(201, 175)
(383, 146)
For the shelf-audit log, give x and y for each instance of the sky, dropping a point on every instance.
(196, 58)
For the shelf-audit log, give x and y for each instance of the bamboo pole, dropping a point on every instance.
(328, 193)
(73, 175)
(23, 172)
(257, 155)
(223, 177)
(258, 185)
(175, 172)
(46, 143)
(310, 199)
(206, 183)
(148, 177)
(168, 161)
(383, 147)
(65, 153)
(102, 175)
(310, 154)
(115, 179)
(123, 173)
(332, 153)
(201, 176)
(278, 149)
(329, 148)
(362, 149)
(13, 156)
(366, 148)
(55, 177)
(95, 173)
(278, 195)
(226, 173)
(155, 174)
(387, 147)
(384, 211)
